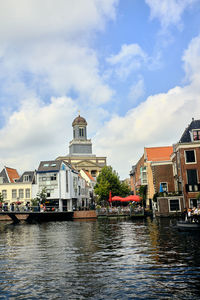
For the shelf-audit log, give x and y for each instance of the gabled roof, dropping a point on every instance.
(186, 137)
(88, 175)
(159, 153)
(12, 174)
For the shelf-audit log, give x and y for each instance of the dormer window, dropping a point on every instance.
(196, 135)
(26, 178)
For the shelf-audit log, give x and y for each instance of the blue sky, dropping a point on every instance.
(131, 67)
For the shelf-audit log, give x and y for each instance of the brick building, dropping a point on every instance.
(153, 170)
(186, 164)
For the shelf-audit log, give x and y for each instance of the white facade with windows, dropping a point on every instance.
(61, 183)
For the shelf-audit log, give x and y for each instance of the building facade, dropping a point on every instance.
(80, 150)
(186, 164)
(153, 171)
(16, 190)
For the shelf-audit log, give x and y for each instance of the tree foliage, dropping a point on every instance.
(42, 196)
(108, 180)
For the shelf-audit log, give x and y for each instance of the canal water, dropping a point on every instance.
(108, 259)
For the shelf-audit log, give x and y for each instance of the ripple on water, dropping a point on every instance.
(98, 260)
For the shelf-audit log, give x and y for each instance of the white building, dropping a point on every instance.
(60, 182)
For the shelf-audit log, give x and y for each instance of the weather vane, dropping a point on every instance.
(79, 112)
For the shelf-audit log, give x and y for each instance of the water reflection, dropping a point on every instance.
(108, 259)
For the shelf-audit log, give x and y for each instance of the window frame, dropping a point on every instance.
(21, 193)
(27, 191)
(162, 186)
(196, 174)
(4, 194)
(195, 158)
(81, 132)
(178, 199)
(14, 190)
(198, 134)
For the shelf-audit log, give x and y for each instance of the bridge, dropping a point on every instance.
(38, 217)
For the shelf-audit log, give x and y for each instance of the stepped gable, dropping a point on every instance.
(186, 137)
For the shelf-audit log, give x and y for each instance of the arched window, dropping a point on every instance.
(81, 131)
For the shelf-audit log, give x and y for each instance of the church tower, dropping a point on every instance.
(80, 150)
(80, 145)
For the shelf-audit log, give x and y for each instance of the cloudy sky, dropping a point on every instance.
(132, 68)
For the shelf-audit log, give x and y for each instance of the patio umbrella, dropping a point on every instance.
(135, 198)
(117, 198)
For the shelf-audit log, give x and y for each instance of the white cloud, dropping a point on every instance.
(169, 12)
(192, 61)
(160, 120)
(37, 131)
(59, 67)
(130, 58)
(136, 91)
(45, 49)
(47, 18)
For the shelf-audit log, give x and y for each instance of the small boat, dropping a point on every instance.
(187, 225)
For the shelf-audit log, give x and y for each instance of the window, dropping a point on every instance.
(14, 194)
(26, 178)
(53, 165)
(164, 186)
(44, 178)
(75, 185)
(174, 205)
(53, 177)
(67, 187)
(192, 176)
(194, 202)
(27, 193)
(81, 131)
(196, 135)
(4, 194)
(45, 165)
(21, 193)
(190, 156)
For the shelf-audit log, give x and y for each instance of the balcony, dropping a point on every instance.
(192, 188)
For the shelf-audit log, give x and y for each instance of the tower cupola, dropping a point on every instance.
(79, 128)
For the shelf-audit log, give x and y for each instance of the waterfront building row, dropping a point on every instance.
(65, 188)
(170, 175)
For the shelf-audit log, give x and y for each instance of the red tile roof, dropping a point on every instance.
(12, 174)
(90, 176)
(159, 153)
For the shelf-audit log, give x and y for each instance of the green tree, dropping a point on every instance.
(42, 196)
(108, 180)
